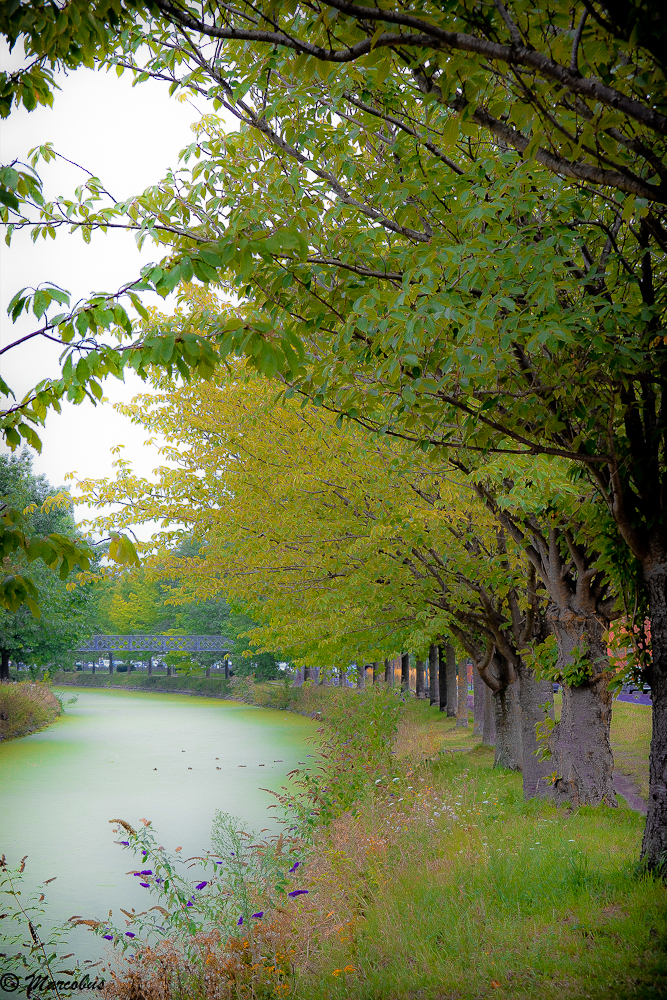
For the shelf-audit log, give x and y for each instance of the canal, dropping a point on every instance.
(172, 759)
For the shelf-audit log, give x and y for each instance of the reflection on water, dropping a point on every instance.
(172, 759)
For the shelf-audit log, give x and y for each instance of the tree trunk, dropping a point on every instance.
(389, 672)
(533, 694)
(433, 675)
(226, 669)
(405, 671)
(654, 843)
(306, 674)
(420, 685)
(150, 666)
(361, 676)
(579, 743)
(478, 686)
(208, 670)
(376, 671)
(4, 665)
(442, 677)
(110, 662)
(452, 696)
(489, 729)
(462, 699)
(507, 718)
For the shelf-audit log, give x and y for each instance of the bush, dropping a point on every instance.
(26, 707)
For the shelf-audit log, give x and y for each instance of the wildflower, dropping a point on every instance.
(295, 866)
(108, 937)
(239, 921)
(258, 916)
(202, 885)
(337, 972)
(146, 872)
(349, 968)
(125, 843)
(129, 934)
(298, 892)
(145, 885)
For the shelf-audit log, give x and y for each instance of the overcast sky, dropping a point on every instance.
(128, 137)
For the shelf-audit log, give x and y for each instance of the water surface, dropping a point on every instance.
(169, 758)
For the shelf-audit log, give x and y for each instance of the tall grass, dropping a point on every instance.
(26, 707)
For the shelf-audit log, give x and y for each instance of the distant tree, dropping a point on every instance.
(62, 612)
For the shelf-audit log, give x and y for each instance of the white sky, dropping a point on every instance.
(128, 137)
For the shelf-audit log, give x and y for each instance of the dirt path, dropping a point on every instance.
(629, 789)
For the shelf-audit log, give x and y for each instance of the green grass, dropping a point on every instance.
(25, 708)
(631, 740)
(510, 899)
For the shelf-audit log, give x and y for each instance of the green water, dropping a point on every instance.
(128, 755)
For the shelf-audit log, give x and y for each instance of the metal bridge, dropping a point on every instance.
(156, 644)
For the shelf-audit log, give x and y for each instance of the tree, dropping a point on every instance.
(64, 611)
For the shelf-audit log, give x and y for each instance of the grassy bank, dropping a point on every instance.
(432, 878)
(270, 694)
(26, 707)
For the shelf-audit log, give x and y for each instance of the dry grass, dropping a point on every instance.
(26, 707)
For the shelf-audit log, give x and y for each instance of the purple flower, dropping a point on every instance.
(202, 885)
(108, 937)
(239, 921)
(258, 916)
(298, 892)
(189, 903)
(125, 843)
(146, 872)
(129, 934)
(295, 866)
(145, 885)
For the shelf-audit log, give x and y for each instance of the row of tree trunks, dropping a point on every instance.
(462, 699)
(433, 675)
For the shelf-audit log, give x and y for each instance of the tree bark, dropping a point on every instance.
(507, 719)
(580, 742)
(208, 670)
(150, 666)
(4, 665)
(93, 666)
(405, 671)
(389, 672)
(654, 842)
(452, 696)
(489, 729)
(361, 676)
(420, 685)
(462, 700)
(442, 677)
(376, 671)
(478, 686)
(433, 678)
(533, 694)
(110, 662)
